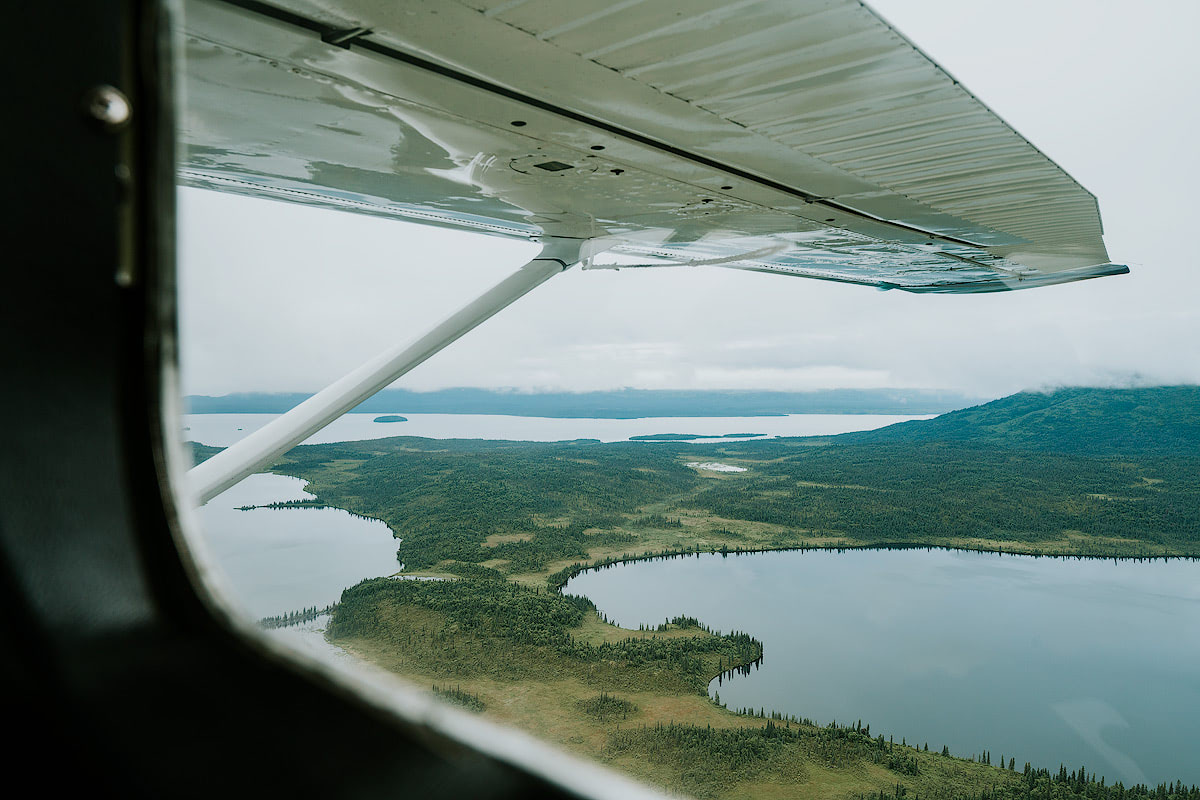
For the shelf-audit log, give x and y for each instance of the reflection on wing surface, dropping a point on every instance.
(809, 131)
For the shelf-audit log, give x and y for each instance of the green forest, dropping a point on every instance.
(504, 525)
(482, 620)
(523, 506)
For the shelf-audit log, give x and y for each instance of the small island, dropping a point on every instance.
(688, 437)
(391, 418)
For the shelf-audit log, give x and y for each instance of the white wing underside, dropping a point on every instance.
(801, 137)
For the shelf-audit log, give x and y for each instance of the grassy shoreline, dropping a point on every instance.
(675, 737)
(664, 728)
(559, 579)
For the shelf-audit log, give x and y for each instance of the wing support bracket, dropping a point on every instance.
(267, 444)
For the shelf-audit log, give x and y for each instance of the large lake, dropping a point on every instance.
(222, 430)
(1082, 662)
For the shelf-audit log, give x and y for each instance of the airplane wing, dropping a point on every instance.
(798, 137)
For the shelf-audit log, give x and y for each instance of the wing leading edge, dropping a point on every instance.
(800, 138)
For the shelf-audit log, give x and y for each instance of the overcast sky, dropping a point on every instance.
(276, 297)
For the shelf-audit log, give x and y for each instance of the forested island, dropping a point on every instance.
(1084, 472)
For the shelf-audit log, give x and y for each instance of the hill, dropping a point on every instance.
(1160, 420)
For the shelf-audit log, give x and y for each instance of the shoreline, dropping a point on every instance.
(558, 580)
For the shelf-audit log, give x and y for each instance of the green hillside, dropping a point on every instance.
(1161, 420)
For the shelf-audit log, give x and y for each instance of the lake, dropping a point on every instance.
(222, 430)
(1083, 662)
(280, 560)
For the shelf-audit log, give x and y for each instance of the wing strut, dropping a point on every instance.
(264, 446)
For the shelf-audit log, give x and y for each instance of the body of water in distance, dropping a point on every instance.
(222, 430)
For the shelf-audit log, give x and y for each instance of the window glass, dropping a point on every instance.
(733, 534)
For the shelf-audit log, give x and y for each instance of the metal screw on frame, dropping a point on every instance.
(108, 106)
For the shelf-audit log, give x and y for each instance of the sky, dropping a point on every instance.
(279, 298)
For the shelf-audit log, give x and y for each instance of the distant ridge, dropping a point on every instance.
(1160, 420)
(623, 404)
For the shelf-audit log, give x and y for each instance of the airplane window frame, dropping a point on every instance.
(125, 664)
(120, 653)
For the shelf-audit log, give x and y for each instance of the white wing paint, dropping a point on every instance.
(799, 137)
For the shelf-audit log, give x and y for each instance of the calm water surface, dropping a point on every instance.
(1084, 662)
(280, 560)
(221, 430)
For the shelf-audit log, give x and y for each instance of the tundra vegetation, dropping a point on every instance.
(1079, 472)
